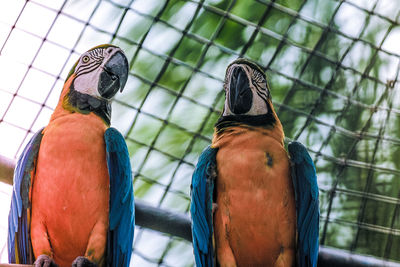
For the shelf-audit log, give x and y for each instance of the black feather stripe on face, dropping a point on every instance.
(88, 68)
(95, 56)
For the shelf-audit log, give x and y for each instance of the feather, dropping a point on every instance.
(18, 226)
(201, 207)
(122, 214)
(307, 204)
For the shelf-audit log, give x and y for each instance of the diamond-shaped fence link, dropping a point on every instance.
(333, 68)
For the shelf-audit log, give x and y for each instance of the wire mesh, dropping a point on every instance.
(333, 69)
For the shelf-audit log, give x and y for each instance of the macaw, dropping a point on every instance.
(252, 204)
(72, 200)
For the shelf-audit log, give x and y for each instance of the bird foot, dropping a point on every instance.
(44, 261)
(83, 262)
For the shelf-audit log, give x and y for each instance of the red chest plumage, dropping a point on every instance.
(70, 194)
(255, 221)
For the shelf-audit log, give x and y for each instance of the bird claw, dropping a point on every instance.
(44, 261)
(83, 262)
(214, 207)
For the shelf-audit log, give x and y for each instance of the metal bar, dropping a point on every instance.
(173, 223)
(179, 225)
(332, 257)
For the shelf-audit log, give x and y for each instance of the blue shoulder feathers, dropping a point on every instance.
(307, 204)
(122, 215)
(201, 207)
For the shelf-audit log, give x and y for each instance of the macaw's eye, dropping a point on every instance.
(109, 50)
(85, 59)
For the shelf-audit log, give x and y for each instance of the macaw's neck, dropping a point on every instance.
(268, 124)
(72, 101)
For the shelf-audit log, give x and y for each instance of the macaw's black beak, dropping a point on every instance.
(114, 75)
(240, 95)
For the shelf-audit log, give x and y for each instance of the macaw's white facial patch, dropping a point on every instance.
(89, 67)
(87, 83)
(256, 83)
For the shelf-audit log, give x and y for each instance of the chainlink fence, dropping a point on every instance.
(333, 68)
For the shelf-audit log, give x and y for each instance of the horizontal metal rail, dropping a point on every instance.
(179, 225)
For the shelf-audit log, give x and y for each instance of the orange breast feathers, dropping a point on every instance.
(255, 221)
(70, 194)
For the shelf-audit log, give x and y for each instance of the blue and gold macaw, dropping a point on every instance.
(72, 201)
(252, 204)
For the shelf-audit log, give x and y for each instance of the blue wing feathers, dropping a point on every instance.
(201, 208)
(18, 225)
(122, 214)
(307, 204)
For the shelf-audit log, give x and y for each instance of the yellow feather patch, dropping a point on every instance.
(16, 252)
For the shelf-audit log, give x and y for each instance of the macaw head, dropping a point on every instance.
(100, 72)
(246, 89)
(95, 78)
